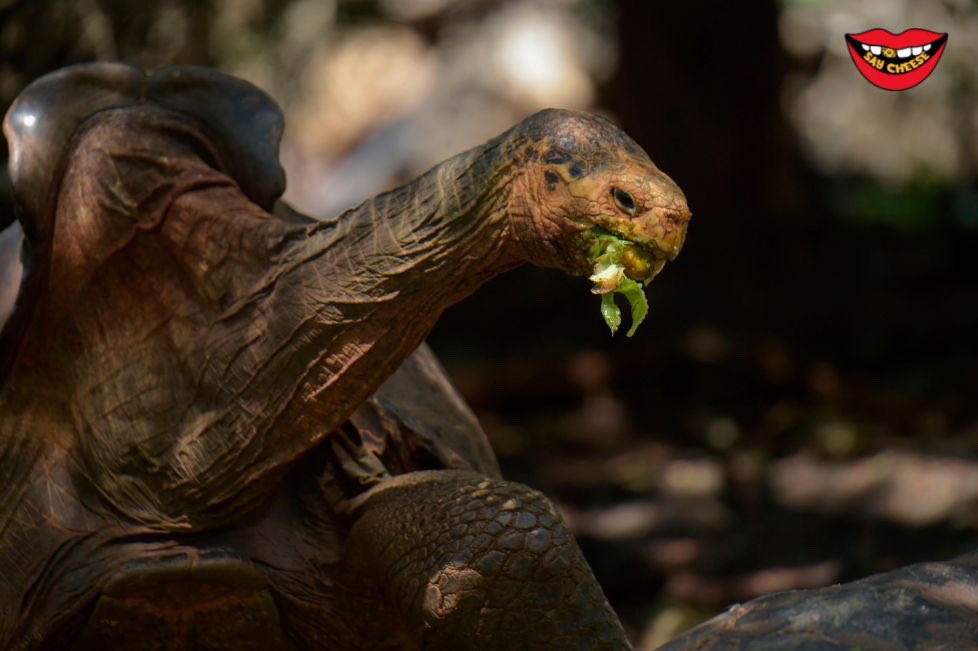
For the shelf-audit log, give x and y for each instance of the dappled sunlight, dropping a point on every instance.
(902, 487)
(379, 105)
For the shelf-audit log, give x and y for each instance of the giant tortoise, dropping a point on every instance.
(218, 428)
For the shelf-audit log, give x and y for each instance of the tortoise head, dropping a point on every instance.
(584, 178)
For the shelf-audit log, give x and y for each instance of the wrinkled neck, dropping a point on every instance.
(376, 279)
(449, 228)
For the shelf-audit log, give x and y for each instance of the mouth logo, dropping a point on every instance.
(896, 61)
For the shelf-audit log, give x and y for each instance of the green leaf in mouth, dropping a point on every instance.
(609, 279)
(610, 311)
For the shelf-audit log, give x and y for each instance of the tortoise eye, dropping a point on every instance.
(624, 200)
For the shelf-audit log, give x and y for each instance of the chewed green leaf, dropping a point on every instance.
(610, 312)
(605, 246)
(607, 277)
(606, 251)
(639, 305)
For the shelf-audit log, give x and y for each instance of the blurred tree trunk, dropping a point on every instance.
(709, 96)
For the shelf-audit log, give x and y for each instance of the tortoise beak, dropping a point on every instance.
(657, 232)
(654, 238)
(643, 263)
(661, 230)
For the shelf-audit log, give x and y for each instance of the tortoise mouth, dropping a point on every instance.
(640, 262)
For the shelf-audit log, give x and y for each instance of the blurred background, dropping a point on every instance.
(801, 406)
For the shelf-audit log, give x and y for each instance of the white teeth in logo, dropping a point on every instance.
(905, 52)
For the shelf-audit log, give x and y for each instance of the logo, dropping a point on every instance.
(896, 61)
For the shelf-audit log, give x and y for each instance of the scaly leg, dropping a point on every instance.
(466, 562)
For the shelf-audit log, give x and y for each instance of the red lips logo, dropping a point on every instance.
(896, 61)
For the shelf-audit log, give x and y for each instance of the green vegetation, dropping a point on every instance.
(606, 254)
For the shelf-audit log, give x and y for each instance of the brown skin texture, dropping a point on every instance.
(266, 335)
(461, 561)
(190, 359)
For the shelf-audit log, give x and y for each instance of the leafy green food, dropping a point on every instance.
(606, 253)
(610, 311)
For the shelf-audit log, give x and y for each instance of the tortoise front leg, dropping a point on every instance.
(466, 562)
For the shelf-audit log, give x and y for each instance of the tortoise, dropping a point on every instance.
(221, 428)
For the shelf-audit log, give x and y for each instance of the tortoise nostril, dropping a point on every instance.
(624, 200)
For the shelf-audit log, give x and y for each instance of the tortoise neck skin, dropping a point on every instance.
(440, 236)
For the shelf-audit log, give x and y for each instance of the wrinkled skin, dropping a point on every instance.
(199, 446)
